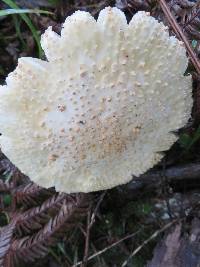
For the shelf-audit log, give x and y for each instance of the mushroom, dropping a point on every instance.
(103, 107)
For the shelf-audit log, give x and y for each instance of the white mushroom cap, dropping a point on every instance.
(102, 108)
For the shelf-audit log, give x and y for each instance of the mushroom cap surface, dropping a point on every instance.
(103, 107)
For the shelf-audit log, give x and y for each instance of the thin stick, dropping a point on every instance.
(153, 236)
(90, 222)
(107, 248)
(84, 264)
(179, 32)
(97, 208)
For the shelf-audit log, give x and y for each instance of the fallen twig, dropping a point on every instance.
(97, 208)
(90, 222)
(153, 236)
(107, 248)
(180, 172)
(87, 239)
(153, 179)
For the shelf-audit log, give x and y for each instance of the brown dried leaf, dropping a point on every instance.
(30, 248)
(30, 194)
(6, 235)
(34, 218)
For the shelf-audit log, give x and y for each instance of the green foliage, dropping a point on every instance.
(27, 20)
(6, 12)
(4, 219)
(17, 24)
(1, 70)
(54, 2)
(137, 209)
(186, 141)
(7, 199)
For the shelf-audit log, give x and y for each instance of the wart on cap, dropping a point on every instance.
(102, 107)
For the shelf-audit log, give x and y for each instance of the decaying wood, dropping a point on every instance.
(176, 173)
(189, 171)
(176, 250)
(153, 236)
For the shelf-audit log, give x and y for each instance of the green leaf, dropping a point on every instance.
(195, 137)
(29, 23)
(1, 70)
(7, 199)
(6, 12)
(17, 23)
(54, 2)
(4, 219)
(146, 208)
(187, 141)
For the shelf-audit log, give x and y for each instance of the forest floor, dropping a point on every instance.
(152, 221)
